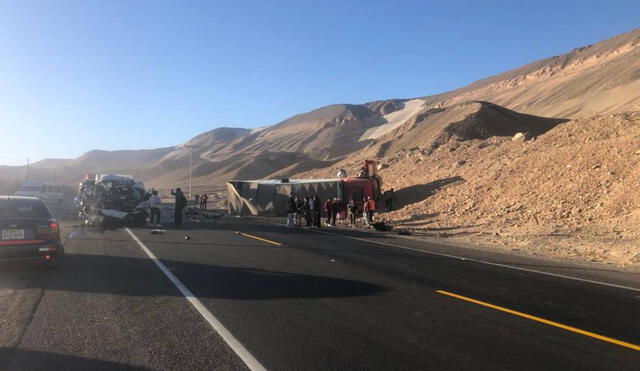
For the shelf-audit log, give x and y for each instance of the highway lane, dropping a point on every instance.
(319, 301)
(311, 301)
(108, 307)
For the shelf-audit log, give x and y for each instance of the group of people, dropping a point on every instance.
(201, 200)
(311, 208)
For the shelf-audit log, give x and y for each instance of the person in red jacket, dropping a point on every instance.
(328, 208)
(369, 210)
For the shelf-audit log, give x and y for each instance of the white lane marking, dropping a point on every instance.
(481, 261)
(228, 338)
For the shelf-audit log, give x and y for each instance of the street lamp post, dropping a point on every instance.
(190, 146)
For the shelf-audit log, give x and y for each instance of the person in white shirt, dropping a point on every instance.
(155, 203)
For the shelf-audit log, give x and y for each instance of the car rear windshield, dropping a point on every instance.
(23, 208)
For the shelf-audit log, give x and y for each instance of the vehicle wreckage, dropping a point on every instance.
(269, 197)
(112, 200)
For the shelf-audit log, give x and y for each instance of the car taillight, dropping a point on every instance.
(49, 232)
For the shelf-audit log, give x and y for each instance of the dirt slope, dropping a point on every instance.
(570, 192)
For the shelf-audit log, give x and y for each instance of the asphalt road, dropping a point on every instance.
(299, 299)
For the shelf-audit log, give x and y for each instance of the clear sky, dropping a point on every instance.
(89, 74)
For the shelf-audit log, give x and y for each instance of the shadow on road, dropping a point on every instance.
(140, 277)
(20, 359)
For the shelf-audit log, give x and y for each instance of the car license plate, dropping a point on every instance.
(13, 234)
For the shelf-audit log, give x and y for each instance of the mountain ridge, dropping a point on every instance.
(600, 78)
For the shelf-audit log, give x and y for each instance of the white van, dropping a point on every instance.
(46, 191)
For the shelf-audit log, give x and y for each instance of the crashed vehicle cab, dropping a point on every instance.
(367, 184)
(112, 200)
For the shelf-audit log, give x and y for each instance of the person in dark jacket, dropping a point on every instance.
(389, 200)
(291, 211)
(336, 208)
(306, 207)
(299, 211)
(316, 211)
(203, 201)
(180, 204)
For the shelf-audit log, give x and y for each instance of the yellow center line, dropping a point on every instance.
(259, 238)
(542, 320)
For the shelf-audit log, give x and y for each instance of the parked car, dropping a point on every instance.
(46, 191)
(28, 230)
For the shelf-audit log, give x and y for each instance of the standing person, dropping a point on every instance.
(353, 210)
(389, 198)
(335, 209)
(370, 207)
(197, 199)
(328, 208)
(365, 212)
(299, 211)
(180, 203)
(317, 212)
(203, 201)
(307, 211)
(312, 211)
(291, 211)
(154, 204)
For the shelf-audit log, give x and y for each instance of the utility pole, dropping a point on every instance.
(190, 146)
(27, 168)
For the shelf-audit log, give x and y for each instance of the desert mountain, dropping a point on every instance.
(599, 78)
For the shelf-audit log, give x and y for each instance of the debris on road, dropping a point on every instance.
(381, 226)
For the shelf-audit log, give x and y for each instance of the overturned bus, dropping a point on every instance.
(268, 197)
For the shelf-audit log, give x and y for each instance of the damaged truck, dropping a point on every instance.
(112, 200)
(269, 197)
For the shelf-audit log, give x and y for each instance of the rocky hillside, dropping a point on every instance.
(569, 192)
(600, 78)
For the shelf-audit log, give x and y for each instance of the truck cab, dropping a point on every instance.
(368, 184)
